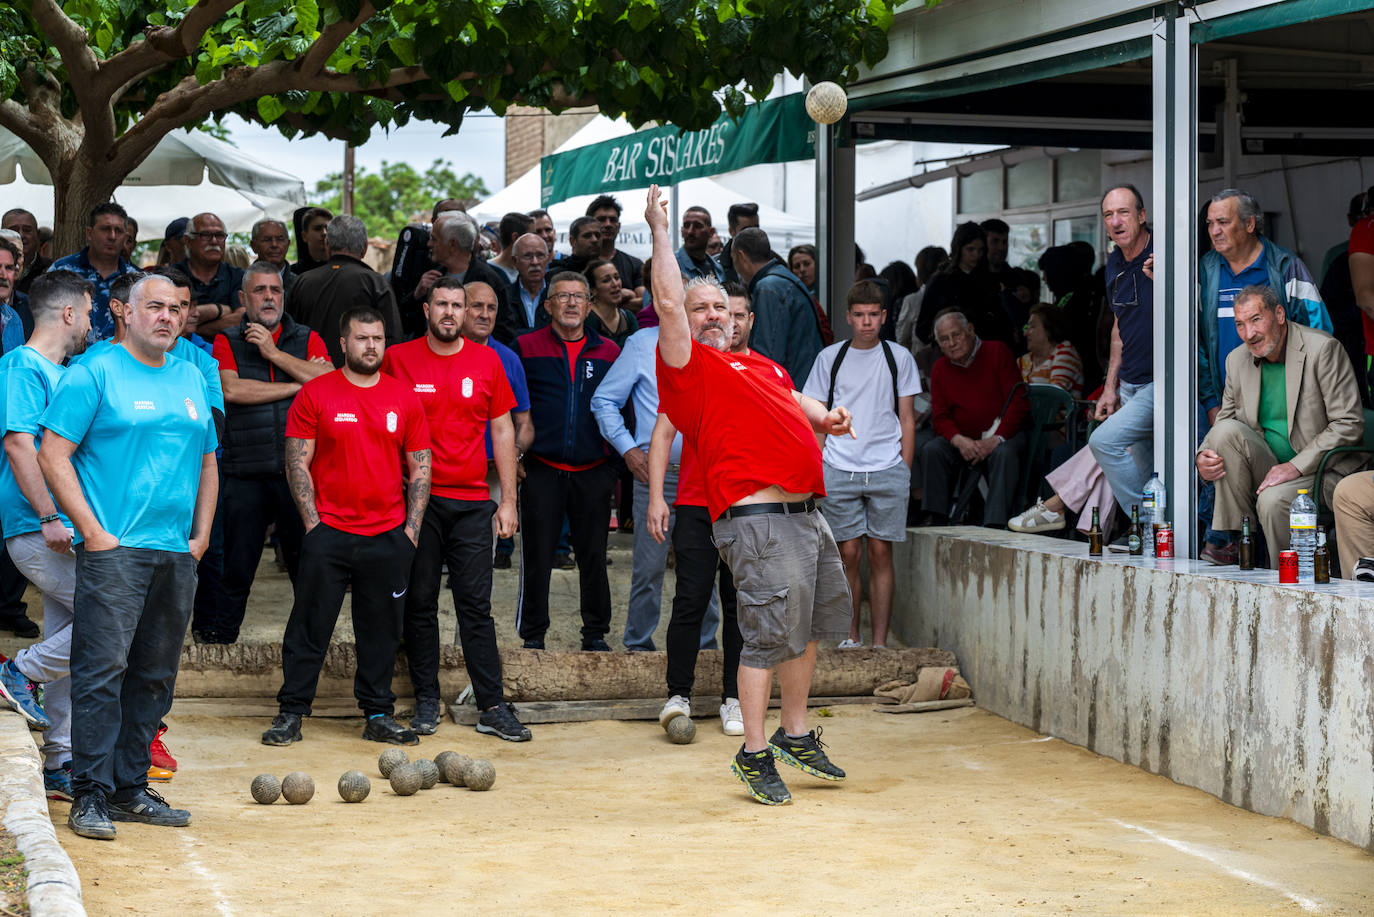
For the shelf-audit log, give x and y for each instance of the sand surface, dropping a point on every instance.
(958, 811)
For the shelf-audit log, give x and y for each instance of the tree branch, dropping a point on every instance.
(319, 52)
(70, 41)
(162, 44)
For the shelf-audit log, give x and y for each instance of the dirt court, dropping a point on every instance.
(942, 812)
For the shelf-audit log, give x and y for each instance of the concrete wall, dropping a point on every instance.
(1261, 695)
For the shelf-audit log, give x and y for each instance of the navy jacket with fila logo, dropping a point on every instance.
(561, 398)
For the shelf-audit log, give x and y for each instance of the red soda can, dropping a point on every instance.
(1164, 540)
(1288, 566)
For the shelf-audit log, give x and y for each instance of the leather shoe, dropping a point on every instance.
(1221, 556)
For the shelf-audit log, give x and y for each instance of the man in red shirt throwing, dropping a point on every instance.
(349, 436)
(461, 385)
(757, 445)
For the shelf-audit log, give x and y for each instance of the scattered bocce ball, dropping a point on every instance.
(479, 775)
(391, 759)
(681, 730)
(266, 789)
(441, 762)
(454, 767)
(354, 786)
(826, 103)
(405, 780)
(429, 773)
(297, 788)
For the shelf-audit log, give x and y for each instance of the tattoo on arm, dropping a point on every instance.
(417, 492)
(299, 480)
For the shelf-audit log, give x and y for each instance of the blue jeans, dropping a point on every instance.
(646, 575)
(130, 613)
(1207, 493)
(1124, 444)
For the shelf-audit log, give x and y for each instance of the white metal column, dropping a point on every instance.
(1174, 211)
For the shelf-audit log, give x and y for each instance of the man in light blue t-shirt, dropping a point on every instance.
(37, 537)
(131, 417)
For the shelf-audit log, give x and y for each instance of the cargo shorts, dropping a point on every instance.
(790, 580)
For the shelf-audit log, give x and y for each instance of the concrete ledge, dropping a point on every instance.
(54, 889)
(1262, 695)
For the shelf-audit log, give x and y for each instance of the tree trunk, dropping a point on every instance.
(80, 182)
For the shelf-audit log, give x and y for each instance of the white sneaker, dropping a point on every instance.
(731, 720)
(1039, 518)
(677, 706)
(848, 644)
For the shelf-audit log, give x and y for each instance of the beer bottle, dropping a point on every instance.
(1247, 546)
(1321, 560)
(1095, 537)
(1135, 541)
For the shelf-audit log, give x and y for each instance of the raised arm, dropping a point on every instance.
(674, 335)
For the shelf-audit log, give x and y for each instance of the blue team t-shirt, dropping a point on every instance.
(515, 375)
(141, 433)
(1228, 285)
(27, 379)
(199, 357)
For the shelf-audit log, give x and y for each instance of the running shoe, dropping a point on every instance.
(161, 756)
(149, 808)
(57, 783)
(805, 754)
(500, 721)
(760, 776)
(22, 695)
(425, 722)
(90, 817)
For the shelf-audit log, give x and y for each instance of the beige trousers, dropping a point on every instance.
(1353, 505)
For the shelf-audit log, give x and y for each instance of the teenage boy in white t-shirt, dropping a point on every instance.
(868, 478)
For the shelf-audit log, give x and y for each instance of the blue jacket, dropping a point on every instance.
(1288, 277)
(561, 406)
(786, 329)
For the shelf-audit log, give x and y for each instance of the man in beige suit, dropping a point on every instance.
(1290, 396)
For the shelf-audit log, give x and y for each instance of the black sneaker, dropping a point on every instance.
(20, 626)
(595, 646)
(500, 721)
(805, 754)
(501, 561)
(425, 722)
(760, 776)
(90, 817)
(562, 560)
(285, 729)
(148, 807)
(533, 645)
(385, 729)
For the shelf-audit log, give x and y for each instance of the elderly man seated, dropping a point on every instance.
(1290, 395)
(977, 413)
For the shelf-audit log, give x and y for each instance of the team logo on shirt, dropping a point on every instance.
(191, 409)
(425, 388)
(345, 417)
(738, 365)
(778, 370)
(589, 369)
(391, 421)
(467, 387)
(144, 406)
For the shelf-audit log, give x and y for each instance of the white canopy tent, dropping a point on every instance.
(189, 172)
(784, 229)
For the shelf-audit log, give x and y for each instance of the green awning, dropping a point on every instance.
(778, 130)
(1273, 17)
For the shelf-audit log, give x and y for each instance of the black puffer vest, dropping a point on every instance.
(255, 434)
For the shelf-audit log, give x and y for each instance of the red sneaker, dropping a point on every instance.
(161, 756)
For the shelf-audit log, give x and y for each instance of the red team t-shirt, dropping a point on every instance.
(748, 431)
(1362, 240)
(224, 354)
(459, 394)
(691, 480)
(361, 436)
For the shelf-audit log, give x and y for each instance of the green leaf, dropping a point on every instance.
(881, 13)
(270, 109)
(404, 49)
(308, 15)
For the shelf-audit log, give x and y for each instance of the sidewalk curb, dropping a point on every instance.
(54, 888)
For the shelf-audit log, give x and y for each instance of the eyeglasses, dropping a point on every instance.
(210, 236)
(1124, 291)
(564, 298)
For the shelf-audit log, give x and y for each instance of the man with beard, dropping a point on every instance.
(462, 387)
(37, 537)
(762, 468)
(263, 362)
(348, 435)
(133, 408)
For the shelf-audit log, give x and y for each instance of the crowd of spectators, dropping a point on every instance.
(941, 370)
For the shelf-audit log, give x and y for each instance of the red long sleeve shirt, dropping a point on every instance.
(967, 399)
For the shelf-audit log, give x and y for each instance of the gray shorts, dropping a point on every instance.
(871, 503)
(790, 581)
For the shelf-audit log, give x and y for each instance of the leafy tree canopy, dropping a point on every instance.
(397, 194)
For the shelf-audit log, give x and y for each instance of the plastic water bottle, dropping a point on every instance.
(1302, 533)
(1154, 503)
